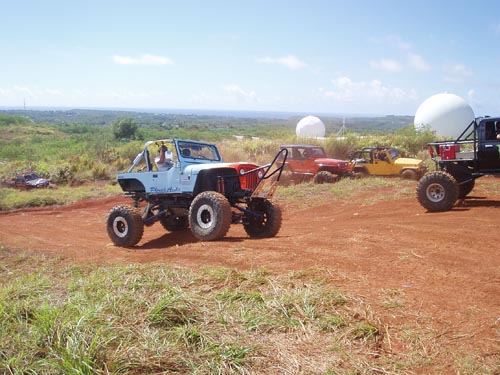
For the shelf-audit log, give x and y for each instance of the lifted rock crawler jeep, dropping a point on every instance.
(475, 153)
(199, 191)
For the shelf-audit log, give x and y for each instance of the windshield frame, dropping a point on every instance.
(393, 153)
(199, 151)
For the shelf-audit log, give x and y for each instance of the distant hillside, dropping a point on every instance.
(106, 117)
(17, 127)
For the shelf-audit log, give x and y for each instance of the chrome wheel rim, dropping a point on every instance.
(120, 227)
(435, 192)
(205, 216)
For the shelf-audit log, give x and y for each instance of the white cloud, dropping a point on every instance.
(240, 94)
(131, 94)
(456, 73)
(392, 41)
(480, 103)
(289, 61)
(23, 90)
(346, 90)
(413, 60)
(397, 41)
(417, 62)
(16, 91)
(147, 60)
(386, 65)
(471, 94)
(17, 95)
(53, 92)
(36, 96)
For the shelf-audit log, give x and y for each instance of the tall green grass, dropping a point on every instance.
(57, 318)
(11, 199)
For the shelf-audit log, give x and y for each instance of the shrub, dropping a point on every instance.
(63, 174)
(125, 128)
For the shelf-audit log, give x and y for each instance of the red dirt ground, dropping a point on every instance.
(443, 268)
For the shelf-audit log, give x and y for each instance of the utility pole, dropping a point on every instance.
(342, 130)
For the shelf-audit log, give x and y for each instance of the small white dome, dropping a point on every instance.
(310, 127)
(447, 114)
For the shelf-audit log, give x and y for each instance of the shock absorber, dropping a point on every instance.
(220, 185)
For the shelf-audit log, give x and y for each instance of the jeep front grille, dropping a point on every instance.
(249, 181)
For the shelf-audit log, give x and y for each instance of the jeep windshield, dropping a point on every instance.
(318, 152)
(200, 151)
(393, 153)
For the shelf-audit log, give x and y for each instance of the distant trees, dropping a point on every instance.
(6, 120)
(125, 128)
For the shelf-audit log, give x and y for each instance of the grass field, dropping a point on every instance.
(147, 319)
(11, 199)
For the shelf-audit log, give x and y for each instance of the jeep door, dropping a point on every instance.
(303, 162)
(167, 181)
(383, 164)
(488, 148)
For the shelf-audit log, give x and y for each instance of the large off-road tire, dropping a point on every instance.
(324, 177)
(210, 216)
(267, 224)
(125, 226)
(462, 172)
(174, 223)
(360, 173)
(437, 191)
(409, 174)
(465, 189)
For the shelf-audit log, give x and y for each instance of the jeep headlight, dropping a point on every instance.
(242, 171)
(260, 174)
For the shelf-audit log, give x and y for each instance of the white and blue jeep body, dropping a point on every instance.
(199, 190)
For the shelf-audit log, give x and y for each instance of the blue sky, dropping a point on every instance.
(346, 57)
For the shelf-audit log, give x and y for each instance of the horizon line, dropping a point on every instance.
(198, 111)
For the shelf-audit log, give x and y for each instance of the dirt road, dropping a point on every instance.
(439, 271)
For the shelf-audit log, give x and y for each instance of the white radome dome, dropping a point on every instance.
(447, 114)
(310, 127)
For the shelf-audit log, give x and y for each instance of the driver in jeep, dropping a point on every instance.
(163, 160)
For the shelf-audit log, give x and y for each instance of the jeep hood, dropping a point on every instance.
(196, 168)
(408, 162)
(329, 161)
